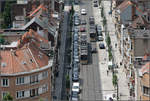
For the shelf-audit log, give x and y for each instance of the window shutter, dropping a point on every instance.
(40, 76)
(27, 93)
(27, 80)
(40, 90)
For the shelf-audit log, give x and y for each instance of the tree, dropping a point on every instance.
(104, 21)
(7, 15)
(108, 40)
(110, 54)
(67, 82)
(41, 99)
(7, 97)
(2, 40)
(102, 12)
(115, 80)
(72, 10)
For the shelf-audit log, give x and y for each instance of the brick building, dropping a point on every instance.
(25, 70)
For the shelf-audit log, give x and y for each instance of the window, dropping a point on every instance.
(5, 82)
(146, 90)
(4, 93)
(20, 80)
(34, 79)
(45, 74)
(34, 92)
(20, 94)
(44, 88)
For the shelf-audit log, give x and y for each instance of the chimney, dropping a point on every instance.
(133, 12)
(45, 33)
(13, 52)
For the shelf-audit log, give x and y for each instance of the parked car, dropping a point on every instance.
(75, 77)
(74, 96)
(95, 5)
(76, 22)
(76, 1)
(82, 29)
(83, 22)
(95, 1)
(101, 46)
(76, 30)
(83, 11)
(94, 50)
(98, 28)
(76, 87)
(99, 33)
(100, 38)
(93, 27)
(91, 20)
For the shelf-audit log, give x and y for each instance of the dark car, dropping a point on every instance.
(91, 20)
(95, 1)
(95, 5)
(76, 68)
(92, 27)
(94, 50)
(101, 46)
(83, 22)
(75, 76)
(76, 1)
(99, 33)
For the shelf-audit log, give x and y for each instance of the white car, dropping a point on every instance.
(83, 12)
(76, 87)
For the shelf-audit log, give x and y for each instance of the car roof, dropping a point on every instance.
(76, 84)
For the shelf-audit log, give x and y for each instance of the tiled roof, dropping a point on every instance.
(24, 59)
(145, 68)
(139, 21)
(43, 23)
(146, 57)
(124, 5)
(31, 35)
(36, 11)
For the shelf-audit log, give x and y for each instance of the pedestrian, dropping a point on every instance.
(120, 63)
(107, 72)
(115, 45)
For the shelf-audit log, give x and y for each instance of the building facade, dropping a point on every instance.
(24, 74)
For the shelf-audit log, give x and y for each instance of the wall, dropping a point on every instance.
(141, 46)
(126, 15)
(145, 80)
(13, 88)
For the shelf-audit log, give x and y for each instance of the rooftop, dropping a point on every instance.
(25, 59)
(31, 36)
(145, 68)
(139, 22)
(124, 5)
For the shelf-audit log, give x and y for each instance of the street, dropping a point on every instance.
(89, 74)
(96, 83)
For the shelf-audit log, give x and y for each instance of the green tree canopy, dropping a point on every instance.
(67, 81)
(8, 97)
(7, 15)
(115, 80)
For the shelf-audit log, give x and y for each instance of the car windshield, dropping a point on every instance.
(75, 87)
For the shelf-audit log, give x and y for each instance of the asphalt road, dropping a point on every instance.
(59, 92)
(89, 74)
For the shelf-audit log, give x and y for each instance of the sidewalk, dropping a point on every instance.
(107, 86)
